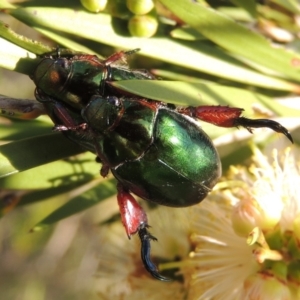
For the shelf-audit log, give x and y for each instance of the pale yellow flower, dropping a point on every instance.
(247, 238)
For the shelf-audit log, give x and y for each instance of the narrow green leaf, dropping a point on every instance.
(275, 15)
(291, 5)
(235, 38)
(105, 189)
(236, 13)
(249, 6)
(12, 57)
(19, 129)
(60, 192)
(188, 34)
(67, 42)
(22, 41)
(29, 153)
(60, 173)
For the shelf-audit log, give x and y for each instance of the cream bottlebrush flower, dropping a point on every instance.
(121, 274)
(247, 239)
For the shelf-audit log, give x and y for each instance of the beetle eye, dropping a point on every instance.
(113, 100)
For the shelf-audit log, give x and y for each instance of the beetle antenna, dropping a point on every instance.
(130, 52)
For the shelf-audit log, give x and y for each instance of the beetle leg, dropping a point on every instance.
(132, 213)
(225, 116)
(119, 56)
(259, 123)
(61, 116)
(120, 59)
(135, 220)
(67, 120)
(80, 127)
(146, 238)
(69, 125)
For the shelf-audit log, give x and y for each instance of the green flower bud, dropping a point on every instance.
(140, 7)
(118, 9)
(143, 26)
(94, 5)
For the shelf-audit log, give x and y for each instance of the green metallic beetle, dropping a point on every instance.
(155, 150)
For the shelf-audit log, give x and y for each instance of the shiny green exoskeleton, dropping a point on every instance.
(152, 150)
(74, 79)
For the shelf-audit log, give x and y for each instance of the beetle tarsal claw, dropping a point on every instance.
(260, 123)
(146, 238)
